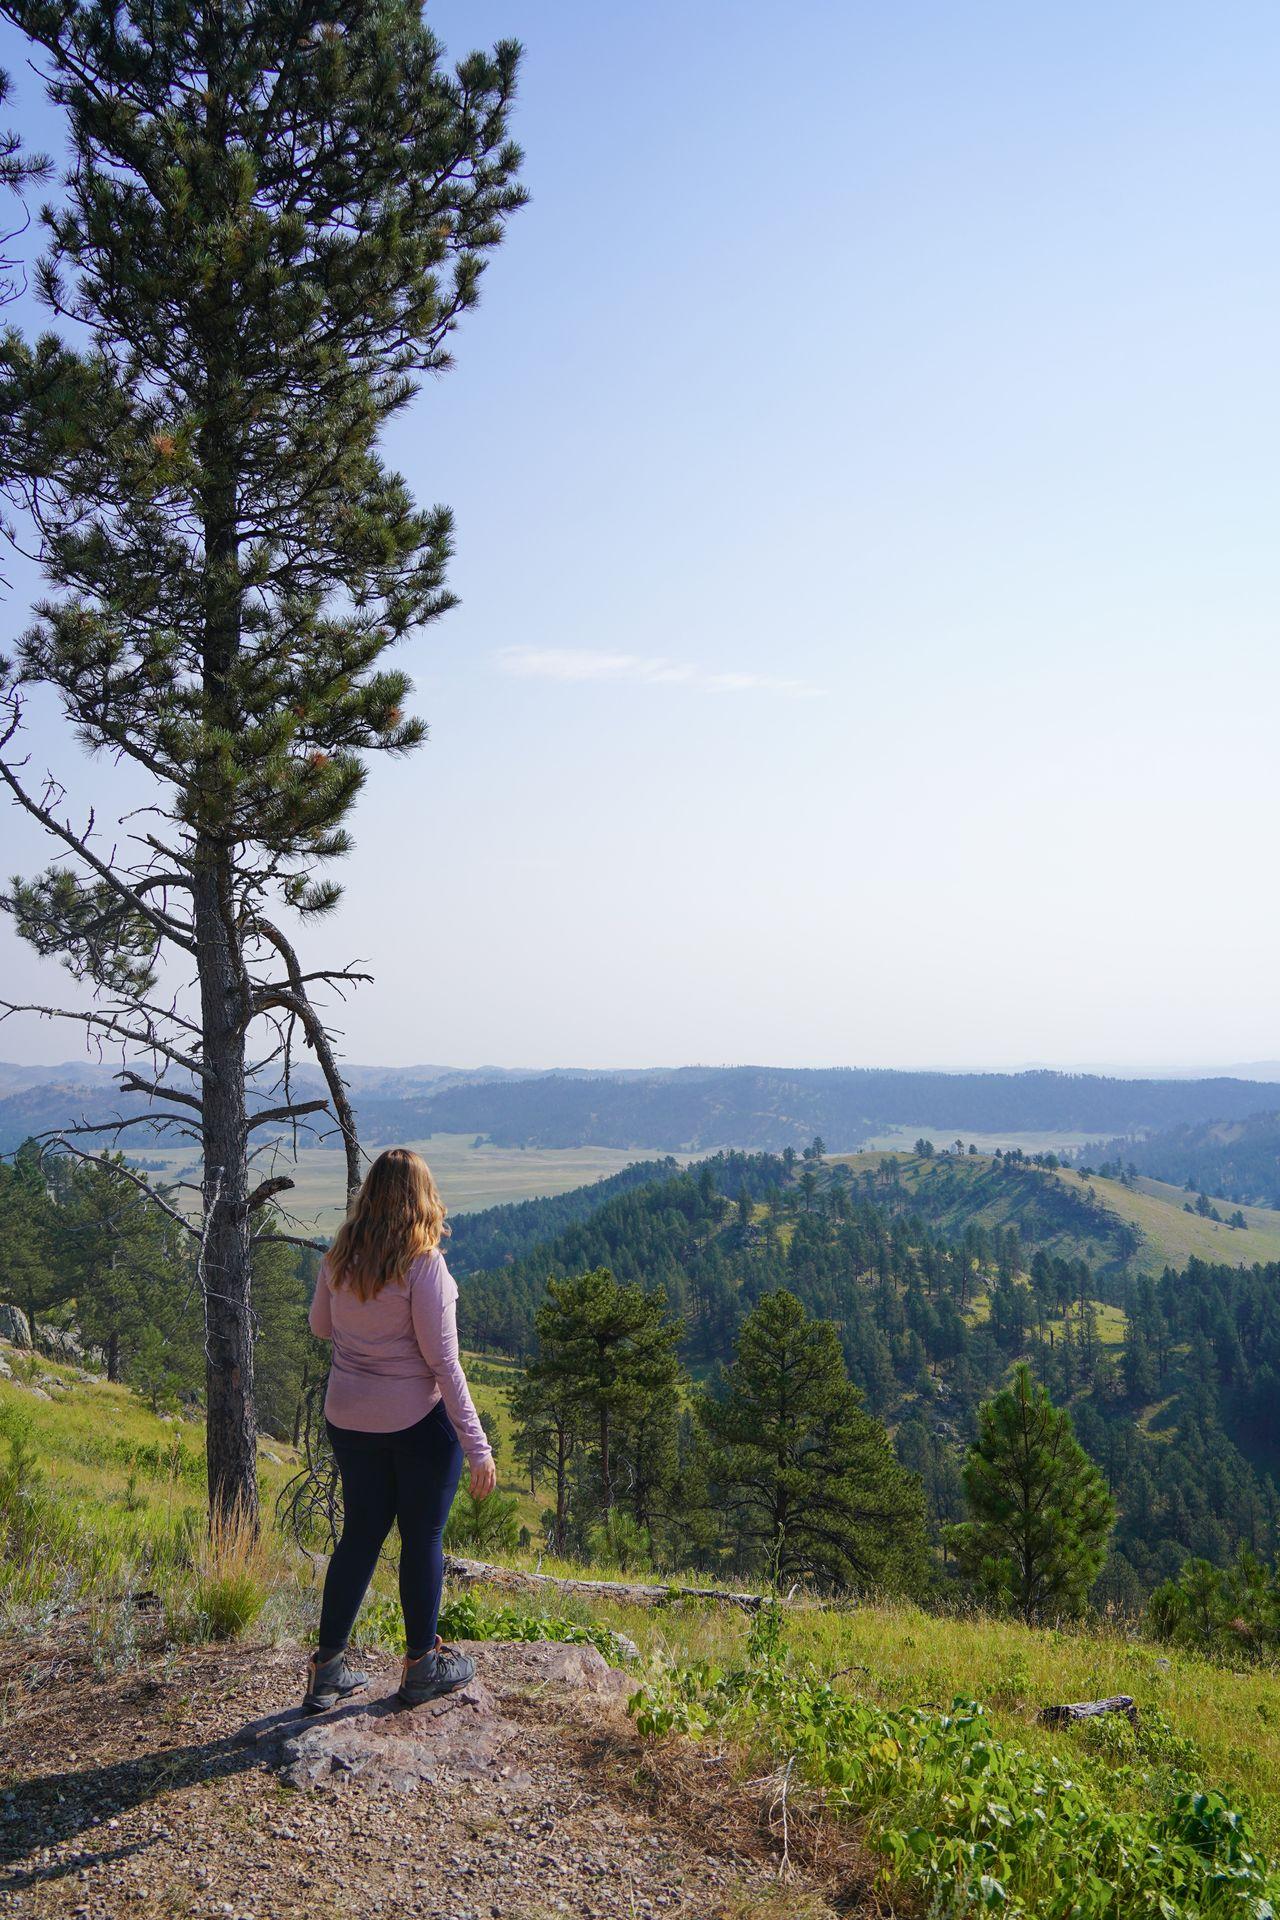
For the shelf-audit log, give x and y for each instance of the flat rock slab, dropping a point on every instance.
(372, 1739)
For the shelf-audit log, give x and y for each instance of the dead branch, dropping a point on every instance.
(296, 1001)
(630, 1593)
(117, 1168)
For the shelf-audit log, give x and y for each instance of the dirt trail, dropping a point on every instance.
(193, 1789)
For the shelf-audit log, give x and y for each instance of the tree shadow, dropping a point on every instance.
(55, 1808)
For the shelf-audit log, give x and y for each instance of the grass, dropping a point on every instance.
(111, 1507)
(469, 1177)
(1171, 1236)
(903, 1139)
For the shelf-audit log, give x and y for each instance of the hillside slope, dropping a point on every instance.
(1239, 1159)
(942, 1272)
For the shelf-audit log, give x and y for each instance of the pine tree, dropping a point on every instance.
(809, 1480)
(273, 222)
(606, 1358)
(18, 170)
(1039, 1509)
(115, 1248)
(548, 1421)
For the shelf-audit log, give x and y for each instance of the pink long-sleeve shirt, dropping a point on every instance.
(395, 1356)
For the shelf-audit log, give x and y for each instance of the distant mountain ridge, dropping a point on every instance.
(701, 1109)
(766, 1109)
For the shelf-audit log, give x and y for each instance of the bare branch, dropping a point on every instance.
(116, 1167)
(294, 1111)
(297, 1002)
(164, 924)
(130, 1082)
(267, 1190)
(147, 1042)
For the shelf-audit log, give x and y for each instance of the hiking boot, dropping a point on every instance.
(442, 1670)
(329, 1681)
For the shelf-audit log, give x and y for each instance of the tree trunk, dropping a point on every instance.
(301, 1408)
(606, 1471)
(231, 1425)
(225, 1010)
(562, 1489)
(113, 1354)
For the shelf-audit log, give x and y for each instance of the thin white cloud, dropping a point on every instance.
(591, 664)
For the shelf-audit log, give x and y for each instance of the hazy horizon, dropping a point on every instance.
(864, 471)
(1262, 1070)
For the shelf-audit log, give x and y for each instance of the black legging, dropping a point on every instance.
(411, 1477)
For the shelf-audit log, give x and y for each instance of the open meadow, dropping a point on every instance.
(469, 1175)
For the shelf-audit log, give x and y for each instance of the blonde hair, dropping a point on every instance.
(395, 1218)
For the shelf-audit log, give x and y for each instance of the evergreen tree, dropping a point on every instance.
(548, 1419)
(607, 1360)
(29, 1279)
(116, 1250)
(808, 1479)
(273, 223)
(1039, 1509)
(17, 171)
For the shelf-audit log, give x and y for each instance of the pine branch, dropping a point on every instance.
(167, 927)
(117, 1168)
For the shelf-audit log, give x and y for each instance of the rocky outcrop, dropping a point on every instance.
(61, 1343)
(14, 1326)
(467, 1735)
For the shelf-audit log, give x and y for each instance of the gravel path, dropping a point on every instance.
(162, 1793)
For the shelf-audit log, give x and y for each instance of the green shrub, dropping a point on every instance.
(971, 1823)
(621, 1543)
(466, 1617)
(1232, 1612)
(482, 1526)
(41, 1547)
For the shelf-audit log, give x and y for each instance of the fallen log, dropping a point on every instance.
(630, 1593)
(1089, 1710)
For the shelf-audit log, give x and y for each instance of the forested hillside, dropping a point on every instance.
(495, 1235)
(702, 1108)
(1238, 1159)
(771, 1108)
(1169, 1380)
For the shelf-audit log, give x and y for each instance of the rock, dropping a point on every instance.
(542, 1662)
(13, 1326)
(60, 1343)
(463, 1736)
(6, 1371)
(371, 1739)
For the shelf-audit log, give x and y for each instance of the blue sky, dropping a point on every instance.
(865, 472)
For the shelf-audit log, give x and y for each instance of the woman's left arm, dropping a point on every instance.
(320, 1317)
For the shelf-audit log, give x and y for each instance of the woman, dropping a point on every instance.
(399, 1417)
